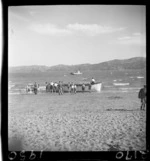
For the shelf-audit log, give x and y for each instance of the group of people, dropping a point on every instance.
(59, 87)
(54, 87)
(72, 88)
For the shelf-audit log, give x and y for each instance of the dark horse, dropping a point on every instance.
(142, 96)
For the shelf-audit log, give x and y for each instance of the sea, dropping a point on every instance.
(112, 81)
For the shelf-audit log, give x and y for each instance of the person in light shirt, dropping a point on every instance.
(52, 83)
(93, 81)
(55, 87)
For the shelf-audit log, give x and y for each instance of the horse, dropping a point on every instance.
(142, 96)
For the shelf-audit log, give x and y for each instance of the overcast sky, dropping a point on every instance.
(52, 35)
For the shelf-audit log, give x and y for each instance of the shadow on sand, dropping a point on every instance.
(114, 97)
(122, 109)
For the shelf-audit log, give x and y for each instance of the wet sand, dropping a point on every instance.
(83, 122)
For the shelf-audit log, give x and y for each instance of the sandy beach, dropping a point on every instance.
(103, 121)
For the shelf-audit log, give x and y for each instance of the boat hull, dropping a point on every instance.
(96, 87)
(75, 73)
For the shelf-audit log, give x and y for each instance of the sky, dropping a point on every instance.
(75, 34)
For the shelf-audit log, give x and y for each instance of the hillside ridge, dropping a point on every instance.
(116, 64)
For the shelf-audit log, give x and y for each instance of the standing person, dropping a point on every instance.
(46, 86)
(51, 87)
(55, 87)
(35, 88)
(83, 87)
(142, 96)
(75, 88)
(60, 88)
(89, 87)
(69, 85)
(93, 81)
(72, 88)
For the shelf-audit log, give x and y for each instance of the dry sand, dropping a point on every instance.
(81, 122)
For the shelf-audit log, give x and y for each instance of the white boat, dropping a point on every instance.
(96, 87)
(76, 73)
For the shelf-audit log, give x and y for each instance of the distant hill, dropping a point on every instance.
(132, 63)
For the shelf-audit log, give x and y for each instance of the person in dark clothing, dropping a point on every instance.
(46, 86)
(35, 88)
(142, 96)
(69, 87)
(83, 87)
(60, 88)
(89, 87)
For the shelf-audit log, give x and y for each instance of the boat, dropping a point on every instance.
(76, 73)
(96, 87)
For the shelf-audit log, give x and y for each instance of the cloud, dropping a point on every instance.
(49, 29)
(136, 38)
(137, 34)
(87, 29)
(92, 29)
(125, 38)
